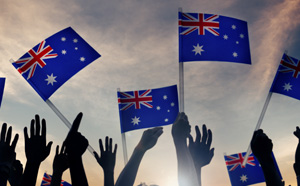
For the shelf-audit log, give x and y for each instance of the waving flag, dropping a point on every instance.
(51, 63)
(210, 37)
(47, 181)
(147, 108)
(2, 83)
(249, 174)
(287, 80)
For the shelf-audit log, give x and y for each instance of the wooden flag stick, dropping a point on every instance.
(261, 117)
(65, 121)
(123, 140)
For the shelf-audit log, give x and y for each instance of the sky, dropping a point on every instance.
(138, 43)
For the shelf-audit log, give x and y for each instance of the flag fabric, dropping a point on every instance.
(48, 65)
(47, 181)
(211, 37)
(2, 84)
(249, 174)
(286, 80)
(148, 108)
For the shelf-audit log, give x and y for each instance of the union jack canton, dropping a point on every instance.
(147, 108)
(286, 80)
(47, 181)
(51, 63)
(211, 37)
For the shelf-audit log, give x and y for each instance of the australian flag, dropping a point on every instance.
(51, 63)
(211, 37)
(2, 83)
(47, 181)
(249, 174)
(286, 81)
(148, 108)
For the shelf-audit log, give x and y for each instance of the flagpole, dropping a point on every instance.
(65, 121)
(181, 76)
(124, 141)
(261, 117)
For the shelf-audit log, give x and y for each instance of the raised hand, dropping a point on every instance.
(16, 173)
(181, 128)
(107, 160)
(149, 138)
(36, 149)
(297, 154)
(76, 144)
(7, 153)
(200, 149)
(60, 164)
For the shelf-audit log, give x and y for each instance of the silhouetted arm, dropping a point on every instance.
(200, 149)
(36, 150)
(76, 144)
(297, 156)
(186, 170)
(148, 140)
(7, 153)
(262, 147)
(16, 173)
(60, 164)
(107, 160)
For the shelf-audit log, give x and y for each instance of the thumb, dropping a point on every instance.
(48, 147)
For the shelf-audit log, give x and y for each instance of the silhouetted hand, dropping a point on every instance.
(60, 162)
(181, 128)
(76, 144)
(261, 145)
(108, 156)
(36, 149)
(297, 154)
(149, 138)
(200, 148)
(7, 152)
(16, 173)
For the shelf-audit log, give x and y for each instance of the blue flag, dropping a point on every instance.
(51, 63)
(250, 174)
(2, 84)
(47, 181)
(148, 108)
(286, 81)
(210, 37)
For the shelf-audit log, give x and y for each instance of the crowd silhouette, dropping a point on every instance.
(192, 153)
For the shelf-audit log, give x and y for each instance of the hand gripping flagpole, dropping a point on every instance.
(124, 141)
(65, 121)
(181, 77)
(261, 117)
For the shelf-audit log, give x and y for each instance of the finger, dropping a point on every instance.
(14, 142)
(8, 136)
(44, 129)
(154, 130)
(48, 148)
(37, 125)
(209, 139)
(158, 133)
(76, 124)
(63, 148)
(185, 116)
(3, 132)
(57, 148)
(204, 132)
(115, 150)
(26, 134)
(96, 155)
(191, 141)
(106, 143)
(32, 128)
(177, 118)
(101, 146)
(212, 152)
(198, 134)
(110, 144)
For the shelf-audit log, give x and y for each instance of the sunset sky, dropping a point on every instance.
(138, 43)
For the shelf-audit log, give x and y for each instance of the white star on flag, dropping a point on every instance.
(51, 79)
(198, 49)
(242, 36)
(233, 27)
(63, 52)
(82, 59)
(225, 37)
(235, 54)
(244, 178)
(287, 86)
(165, 97)
(135, 120)
(75, 40)
(158, 108)
(63, 39)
